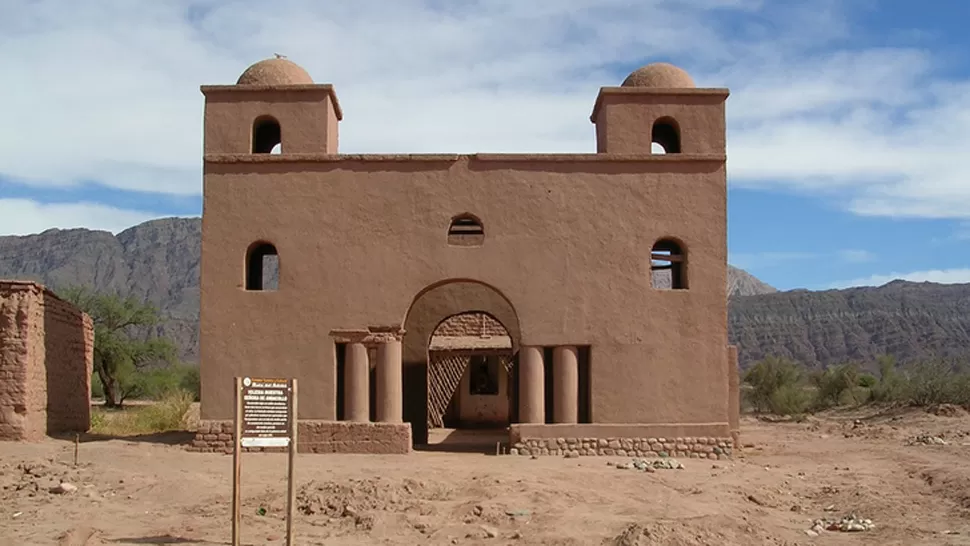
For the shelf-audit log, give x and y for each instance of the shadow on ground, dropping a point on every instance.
(484, 441)
(165, 539)
(172, 438)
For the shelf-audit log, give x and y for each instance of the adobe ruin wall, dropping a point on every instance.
(46, 359)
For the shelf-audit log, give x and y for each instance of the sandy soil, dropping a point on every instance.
(149, 492)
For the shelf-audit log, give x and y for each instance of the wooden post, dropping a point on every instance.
(237, 462)
(290, 479)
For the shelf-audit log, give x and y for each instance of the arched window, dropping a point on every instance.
(267, 136)
(262, 267)
(466, 230)
(665, 136)
(668, 265)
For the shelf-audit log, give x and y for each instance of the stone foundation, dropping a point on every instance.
(316, 437)
(693, 448)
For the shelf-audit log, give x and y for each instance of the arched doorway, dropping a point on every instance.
(470, 379)
(432, 308)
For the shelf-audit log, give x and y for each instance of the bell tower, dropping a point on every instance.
(274, 107)
(658, 106)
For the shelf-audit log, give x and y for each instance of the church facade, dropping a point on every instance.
(576, 301)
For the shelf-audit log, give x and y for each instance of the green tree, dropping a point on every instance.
(776, 386)
(836, 383)
(891, 386)
(122, 356)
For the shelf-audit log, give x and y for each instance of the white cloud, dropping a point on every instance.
(763, 260)
(107, 90)
(942, 276)
(856, 256)
(24, 217)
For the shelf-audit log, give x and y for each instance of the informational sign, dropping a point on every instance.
(266, 412)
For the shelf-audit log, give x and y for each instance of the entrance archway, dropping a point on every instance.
(470, 380)
(430, 309)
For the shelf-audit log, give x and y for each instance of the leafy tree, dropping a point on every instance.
(867, 380)
(891, 386)
(835, 384)
(929, 383)
(122, 358)
(776, 386)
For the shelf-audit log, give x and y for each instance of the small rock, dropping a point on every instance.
(848, 524)
(63, 488)
(811, 532)
(926, 440)
(490, 532)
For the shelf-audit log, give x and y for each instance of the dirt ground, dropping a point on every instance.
(790, 474)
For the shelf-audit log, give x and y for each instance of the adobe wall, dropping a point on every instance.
(316, 437)
(734, 394)
(567, 242)
(23, 399)
(69, 358)
(471, 325)
(46, 355)
(482, 410)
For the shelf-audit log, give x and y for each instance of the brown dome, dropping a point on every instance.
(659, 75)
(275, 72)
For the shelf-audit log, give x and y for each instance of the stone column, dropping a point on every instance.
(532, 399)
(565, 396)
(390, 386)
(356, 383)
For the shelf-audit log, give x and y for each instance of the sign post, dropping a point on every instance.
(266, 416)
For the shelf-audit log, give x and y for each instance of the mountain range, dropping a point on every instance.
(159, 261)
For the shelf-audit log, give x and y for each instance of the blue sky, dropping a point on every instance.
(849, 122)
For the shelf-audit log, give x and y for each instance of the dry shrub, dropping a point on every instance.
(837, 386)
(165, 415)
(777, 386)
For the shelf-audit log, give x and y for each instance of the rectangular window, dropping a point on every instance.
(483, 375)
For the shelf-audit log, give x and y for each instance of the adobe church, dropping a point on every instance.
(576, 302)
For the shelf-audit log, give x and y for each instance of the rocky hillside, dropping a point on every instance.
(911, 321)
(159, 260)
